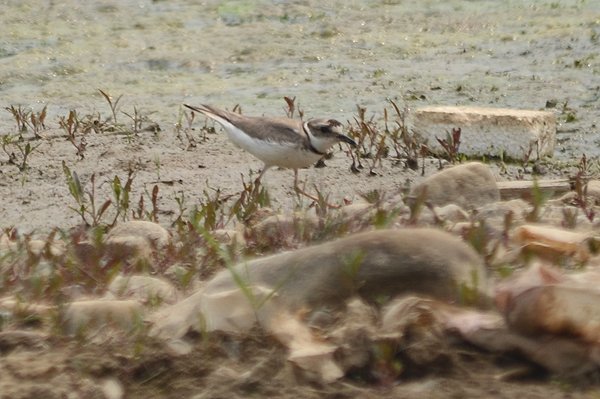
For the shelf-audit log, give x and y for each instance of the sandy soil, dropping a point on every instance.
(331, 56)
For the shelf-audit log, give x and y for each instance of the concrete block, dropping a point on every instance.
(488, 131)
(469, 186)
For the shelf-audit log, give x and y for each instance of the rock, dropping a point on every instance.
(87, 316)
(7, 243)
(561, 356)
(591, 195)
(112, 388)
(469, 186)
(552, 243)
(128, 249)
(232, 310)
(568, 311)
(498, 210)
(498, 132)
(278, 230)
(179, 347)
(29, 340)
(135, 241)
(374, 265)
(38, 248)
(451, 213)
(230, 237)
(157, 235)
(143, 288)
(359, 213)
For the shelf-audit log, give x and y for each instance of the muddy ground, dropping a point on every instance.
(331, 56)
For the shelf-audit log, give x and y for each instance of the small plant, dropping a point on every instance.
(24, 150)
(384, 216)
(252, 197)
(28, 120)
(405, 144)
(180, 199)
(121, 194)
(451, 145)
(291, 108)
(70, 126)
(371, 143)
(142, 213)
(538, 198)
(188, 129)
(136, 119)
(568, 113)
(580, 183)
(85, 200)
(352, 264)
(112, 103)
(189, 117)
(416, 205)
(21, 116)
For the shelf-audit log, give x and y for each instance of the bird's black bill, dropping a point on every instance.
(346, 139)
(192, 107)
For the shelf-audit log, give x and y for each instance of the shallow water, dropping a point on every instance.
(331, 55)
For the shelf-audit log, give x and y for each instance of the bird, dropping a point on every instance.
(283, 142)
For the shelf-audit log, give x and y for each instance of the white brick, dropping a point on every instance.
(487, 131)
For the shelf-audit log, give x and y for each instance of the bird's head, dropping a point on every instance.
(324, 133)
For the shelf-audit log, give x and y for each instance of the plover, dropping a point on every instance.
(283, 142)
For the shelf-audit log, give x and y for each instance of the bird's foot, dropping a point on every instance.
(320, 200)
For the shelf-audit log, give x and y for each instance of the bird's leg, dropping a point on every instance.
(262, 172)
(309, 196)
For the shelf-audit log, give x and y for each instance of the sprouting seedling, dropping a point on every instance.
(352, 264)
(37, 121)
(121, 194)
(86, 201)
(180, 200)
(322, 204)
(70, 126)
(406, 144)
(25, 151)
(28, 120)
(96, 214)
(137, 119)
(381, 152)
(86, 205)
(188, 129)
(189, 117)
(383, 217)
(580, 182)
(451, 144)
(527, 154)
(252, 197)
(113, 104)
(20, 116)
(76, 191)
(153, 215)
(257, 302)
(416, 205)
(469, 292)
(371, 143)
(291, 108)
(538, 198)
(9, 143)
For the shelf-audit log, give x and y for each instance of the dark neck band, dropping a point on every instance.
(311, 147)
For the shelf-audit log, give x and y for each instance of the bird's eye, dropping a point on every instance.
(325, 129)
